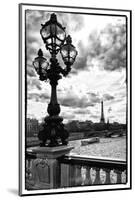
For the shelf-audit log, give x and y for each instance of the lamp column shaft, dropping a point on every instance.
(53, 106)
(53, 100)
(53, 80)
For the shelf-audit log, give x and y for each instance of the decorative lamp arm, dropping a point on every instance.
(66, 71)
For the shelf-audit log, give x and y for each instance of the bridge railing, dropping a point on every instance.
(74, 170)
(79, 170)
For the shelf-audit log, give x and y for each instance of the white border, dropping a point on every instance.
(23, 7)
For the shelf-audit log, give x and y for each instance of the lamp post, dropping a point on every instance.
(55, 40)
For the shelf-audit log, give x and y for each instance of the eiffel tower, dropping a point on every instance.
(102, 119)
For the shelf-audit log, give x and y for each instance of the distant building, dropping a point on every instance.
(102, 119)
(32, 127)
(73, 125)
(85, 125)
(108, 124)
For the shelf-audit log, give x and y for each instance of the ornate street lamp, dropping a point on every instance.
(54, 37)
(53, 34)
(68, 53)
(41, 65)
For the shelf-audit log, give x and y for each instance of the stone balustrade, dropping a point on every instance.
(73, 170)
(82, 170)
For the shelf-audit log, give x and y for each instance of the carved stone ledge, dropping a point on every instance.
(50, 152)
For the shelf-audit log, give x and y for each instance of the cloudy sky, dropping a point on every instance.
(98, 73)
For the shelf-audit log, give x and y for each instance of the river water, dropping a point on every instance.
(107, 147)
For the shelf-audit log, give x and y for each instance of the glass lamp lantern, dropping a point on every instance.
(68, 52)
(41, 65)
(53, 34)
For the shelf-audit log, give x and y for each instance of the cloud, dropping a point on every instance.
(121, 110)
(108, 97)
(94, 98)
(94, 116)
(109, 47)
(43, 97)
(81, 111)
(31, 71)
(67, 115)
(72, 22)
(34, 18)
(81, 59)
(33, 96)
(33, 83)
(75, 101)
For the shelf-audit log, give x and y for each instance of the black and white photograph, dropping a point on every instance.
(75, 112)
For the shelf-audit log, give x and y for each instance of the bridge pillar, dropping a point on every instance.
(46, 168)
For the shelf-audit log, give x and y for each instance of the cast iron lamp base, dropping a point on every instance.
(53, 132)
